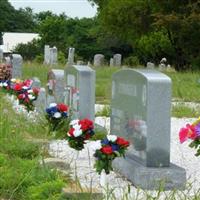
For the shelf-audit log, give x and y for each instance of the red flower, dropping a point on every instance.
(71, 132)
(36, 91)
(187, 132)
(18, 87)
(107, 150)
(86, 124)
(28, 82)
(87, 136)
(21, 96)
(122, 142)
(26, 100)
(62, 107)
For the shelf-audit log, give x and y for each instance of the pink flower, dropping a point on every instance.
(187, 132)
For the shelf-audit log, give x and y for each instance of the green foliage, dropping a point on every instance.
(196, 144)
(48, 190)
(132, 61)
(104, 112)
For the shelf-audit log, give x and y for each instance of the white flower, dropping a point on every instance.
(112, 138)
(31, 97)
(77, 132)
(13, 79)
(74, 122)
(77, 127)
(52, 105)
(30, 91)
(97, 145)
(1, 84)
(57, 115)
(5, 84)
(25, 87)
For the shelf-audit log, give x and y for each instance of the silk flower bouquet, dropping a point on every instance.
(57, 116)
(110, 148)
(79, 132)
(191, 131)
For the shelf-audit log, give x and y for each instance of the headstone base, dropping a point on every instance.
(150, 178)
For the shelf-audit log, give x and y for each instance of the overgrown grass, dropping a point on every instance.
(22, 177)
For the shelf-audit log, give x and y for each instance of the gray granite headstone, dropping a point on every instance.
(150, 65)
(140, 112)
(1, 55)
(56, 84)
(111, 62)
(117, 59)
(41, 102)
(98, 60)
(53, 56)
(80, 91)
(36, 82)
(70, 59)
(16, 66)
(46, 54)
(8, 60)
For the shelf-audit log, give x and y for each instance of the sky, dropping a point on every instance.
(72, 8)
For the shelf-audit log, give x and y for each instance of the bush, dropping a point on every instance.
(132, 61)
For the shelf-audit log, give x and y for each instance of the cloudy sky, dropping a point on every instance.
(72, 8)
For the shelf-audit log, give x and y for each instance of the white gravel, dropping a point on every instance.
(82, 162)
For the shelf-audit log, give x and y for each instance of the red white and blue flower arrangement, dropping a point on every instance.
(22, 90)
(191, 131)
(57, 116)
(111, 147)
(79, 132)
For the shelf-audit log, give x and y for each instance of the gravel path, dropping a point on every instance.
(82, 162)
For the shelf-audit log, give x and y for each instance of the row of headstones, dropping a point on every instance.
(140, 112)
(99, 60)
(51, 56)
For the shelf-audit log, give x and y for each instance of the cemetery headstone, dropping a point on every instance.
(80, 91)
(111, 62)
(46, 54)
(98, 60)
(150, 65)
(56, 84)
(80, 62)
(16, 66)
(36, 82)
(70, 60)
(1, 55)
(140, 112)
(53, 56)
(117, 59)
(41, 102)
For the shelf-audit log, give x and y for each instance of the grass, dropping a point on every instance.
(21, 174)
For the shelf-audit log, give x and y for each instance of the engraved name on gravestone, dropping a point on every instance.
(80, 91)
(46, 54)
(56, 84)
(98, 60)
(16, 66)
(140, 112)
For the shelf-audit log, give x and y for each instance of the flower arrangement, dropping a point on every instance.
(79, 132)
(110, 148)
(56, 115)
(191, 131)
(27, 97)
(5, 84)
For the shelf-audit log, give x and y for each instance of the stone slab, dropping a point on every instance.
(151, 178)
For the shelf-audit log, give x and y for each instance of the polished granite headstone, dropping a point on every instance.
(53, 56)
(41, 102)
(16, 66)
(140, 112)
(56, 84)
(80, 91)
(70, 59)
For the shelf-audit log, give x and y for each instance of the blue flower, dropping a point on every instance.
(197, 129)
(51, 110)
(64, 114)
(115, 147)
(105, 141)
(91, 132)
